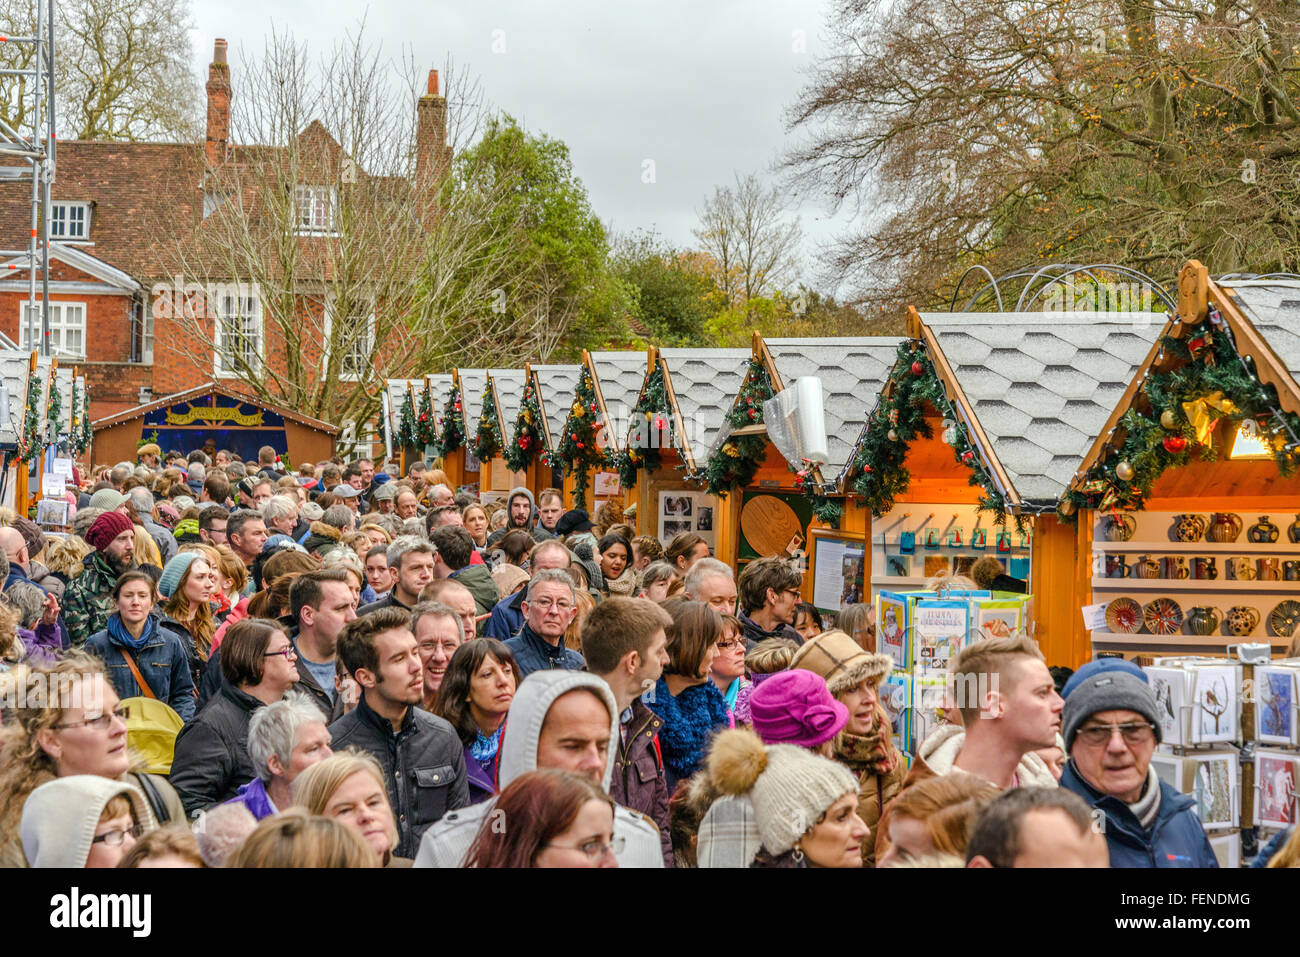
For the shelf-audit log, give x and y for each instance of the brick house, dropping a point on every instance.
(120, 212)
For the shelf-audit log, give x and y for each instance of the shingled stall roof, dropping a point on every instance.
(509, 386)
(1041, 386)
(852, 370)
(618, 378)
(1272, 307)
(703, 384)
(440, 386)
(555, 386)
(397, 389)
(472, 384)
(14, 364)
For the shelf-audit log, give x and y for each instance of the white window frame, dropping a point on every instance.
(364, 357)
(58, 327)
(61, 222)
(146, 335)
(321, 205)
(246, 296)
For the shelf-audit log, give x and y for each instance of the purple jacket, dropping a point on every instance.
(482, 781)
(638, 781)
(44, 643)
(254, 797)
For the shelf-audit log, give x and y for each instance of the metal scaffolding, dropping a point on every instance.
(35, 146)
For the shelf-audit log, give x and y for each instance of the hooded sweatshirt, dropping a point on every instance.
(60, 817)
(531, 526)
(446, 842)
(935, 758)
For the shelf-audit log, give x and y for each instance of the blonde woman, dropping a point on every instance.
(349, 787)
(63, 557)
(377, 534)
(145, 549)
(79, 730)
(295, 838)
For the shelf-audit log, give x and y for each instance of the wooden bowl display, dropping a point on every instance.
(1124, 616)
(1163, 617)
(768, 524)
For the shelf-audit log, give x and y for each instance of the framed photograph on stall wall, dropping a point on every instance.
(838, 563)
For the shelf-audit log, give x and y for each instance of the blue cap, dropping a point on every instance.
(1093, 668)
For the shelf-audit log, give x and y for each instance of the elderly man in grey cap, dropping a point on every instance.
(1111, 728)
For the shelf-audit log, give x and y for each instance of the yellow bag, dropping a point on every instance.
(151, 732)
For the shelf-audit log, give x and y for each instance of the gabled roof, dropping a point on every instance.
(213, 388)
(617, 378)
(472, 384)
(397, 389)
(556, 386)
(78, 259)
(1039, 388)
(14, 364)
(703, 384)
(440, 386)
(1272, 306)
(852, 370)
(509, 393)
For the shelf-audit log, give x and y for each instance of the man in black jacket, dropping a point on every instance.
(322, 604)
(410, 560)
(422, 757)
(211, 759)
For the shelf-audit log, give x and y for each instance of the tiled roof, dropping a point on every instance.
(620, 376)
(472, 384)
(440, 384)
(510, 393)
(556, 386)
(1273, 307)
(1042, 385)
(705, 382)
(396, 396)
(852, 370)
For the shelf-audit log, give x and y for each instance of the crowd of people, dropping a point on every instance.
(227, 664)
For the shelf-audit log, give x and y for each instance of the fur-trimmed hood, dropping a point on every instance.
(326, 531)
(841, 661)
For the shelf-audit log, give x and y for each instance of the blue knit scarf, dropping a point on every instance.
(119, 636)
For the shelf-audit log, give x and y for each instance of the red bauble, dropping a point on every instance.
(968, 456)
(581, 446)
(917, 368)
(867, 468)
(1174, 444)
(574, 436)
(659, 423)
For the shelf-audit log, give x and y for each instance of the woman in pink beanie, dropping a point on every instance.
(796, 707)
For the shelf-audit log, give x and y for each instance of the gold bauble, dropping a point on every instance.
(1168, 420)
(1124, 471)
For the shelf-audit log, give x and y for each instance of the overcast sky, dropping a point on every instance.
(699, 88)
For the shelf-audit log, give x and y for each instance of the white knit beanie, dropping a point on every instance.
(789, 787)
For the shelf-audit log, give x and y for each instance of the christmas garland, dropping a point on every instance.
(827, 510)
(898, 420)
(54, 413)
(578, 449)
(30, 448)
(487, 440)
(735, 464)
(651, 418)
(527, 441)
(452, 428)
(408, 435)
(87, 433)
(426, 431)
(1175, 414)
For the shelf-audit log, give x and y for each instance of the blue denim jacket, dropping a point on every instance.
(162, 662)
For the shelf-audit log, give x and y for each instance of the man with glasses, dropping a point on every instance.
(508, 614)
(769, 592)
(548, 608)
(1111, 727)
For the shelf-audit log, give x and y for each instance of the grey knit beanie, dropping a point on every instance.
(1108, 690)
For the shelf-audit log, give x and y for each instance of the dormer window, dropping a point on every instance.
(70, 221)
(315, 209)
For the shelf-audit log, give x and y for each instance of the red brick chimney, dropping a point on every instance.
(214, 149)
(432, 155)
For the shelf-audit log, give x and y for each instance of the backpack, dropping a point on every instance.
(152, 726)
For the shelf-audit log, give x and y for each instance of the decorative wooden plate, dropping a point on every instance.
(1124, 616)
(1284, 618)
(1163, 617)
(768, 524)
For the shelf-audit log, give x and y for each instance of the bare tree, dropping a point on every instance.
(335, 257)
(122, 69)
(755, 249)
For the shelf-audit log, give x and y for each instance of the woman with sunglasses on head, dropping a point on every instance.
(79, 730)
(552, 819)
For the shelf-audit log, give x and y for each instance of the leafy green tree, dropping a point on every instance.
(674, 300)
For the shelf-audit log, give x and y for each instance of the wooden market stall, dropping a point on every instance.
(415, 407)
(590, 442)
(47, 406)
(498, 413)
(216, 417)
(548, 395)
(985, 418)
(458, 411)
(766, 500)
(677, 417)
(1191, 525)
